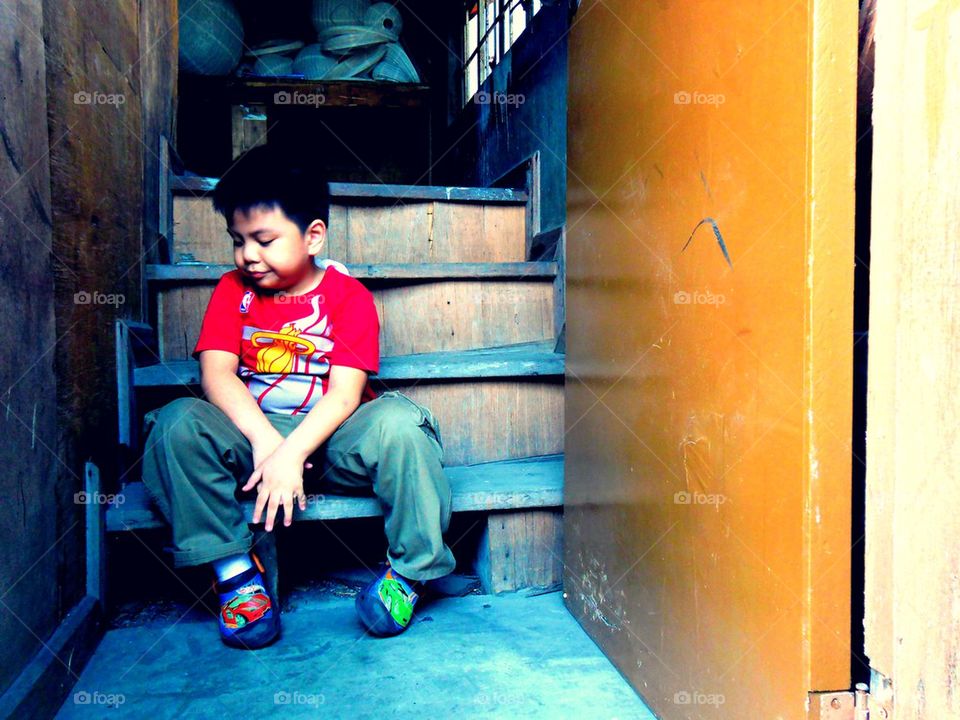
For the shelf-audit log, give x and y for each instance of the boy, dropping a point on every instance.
(285, 350)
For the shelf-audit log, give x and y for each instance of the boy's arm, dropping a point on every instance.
(222, 386)
(341, 399)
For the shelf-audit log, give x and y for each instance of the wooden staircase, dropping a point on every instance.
(469, 328)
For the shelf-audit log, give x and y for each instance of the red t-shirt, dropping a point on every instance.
(287, 343)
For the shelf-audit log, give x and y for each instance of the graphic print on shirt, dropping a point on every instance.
(289, 362)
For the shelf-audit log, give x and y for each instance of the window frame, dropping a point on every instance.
(496, 29)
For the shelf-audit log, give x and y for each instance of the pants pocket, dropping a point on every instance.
(427, 419)
(430, 420)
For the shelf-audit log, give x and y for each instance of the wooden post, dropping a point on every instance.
(249, 127)
(521, 549)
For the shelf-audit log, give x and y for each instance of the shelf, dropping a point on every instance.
(335, 94)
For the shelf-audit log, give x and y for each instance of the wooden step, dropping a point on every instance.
(535, 482)
(429, 315)
(195, 184)
(486, 419)
(405, 224)
(194, 272)
(522, 360)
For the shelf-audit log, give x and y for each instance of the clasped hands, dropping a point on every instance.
(278, 477)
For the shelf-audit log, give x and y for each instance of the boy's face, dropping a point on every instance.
(269, 249)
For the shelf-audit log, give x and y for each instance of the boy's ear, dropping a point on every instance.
(316, 236)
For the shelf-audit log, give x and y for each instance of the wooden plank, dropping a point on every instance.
(199, 232)
(135, 346)
(449, 315)
(248, 126)
(415, 230)
(156, 61)
(827, 337)
(408, 193)
(560, 289)
(125, 382)
(73, 217)
(328, 93)
(463, 314)
(707, 496)
(41, 687)
(912, 623)
(164, 203)
(528, 359)
(380, 191)
(526, 483)
(207, 273)
(534, 187)
(357, 234)
(520, 360)
(494, 419)
(490, 418)
(179, 317)
(95, 523)
(521, 549)
(428, 232)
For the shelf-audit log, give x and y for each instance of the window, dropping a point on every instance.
(490, 28)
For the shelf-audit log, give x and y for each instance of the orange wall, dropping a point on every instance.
(687, 374)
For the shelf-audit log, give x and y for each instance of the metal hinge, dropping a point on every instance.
(873, 702)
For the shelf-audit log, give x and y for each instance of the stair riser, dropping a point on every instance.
(521, 549)
(395, 233)
(414, 318)
(489, 420)
(480, 420)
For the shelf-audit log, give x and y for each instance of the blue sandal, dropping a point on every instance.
(386, 605)
(249, 619)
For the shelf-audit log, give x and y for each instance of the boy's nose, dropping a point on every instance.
(250, 255)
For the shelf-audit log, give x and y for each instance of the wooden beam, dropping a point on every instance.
(525, 360)
(40, 688)
(323, 94)
(194, 184)
(208, 272)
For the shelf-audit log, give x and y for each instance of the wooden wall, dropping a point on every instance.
(708, 388)
(913, 523)
(85, 86)
(486, 141)
(31, 470)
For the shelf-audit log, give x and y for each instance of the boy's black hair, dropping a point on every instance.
(267, 177)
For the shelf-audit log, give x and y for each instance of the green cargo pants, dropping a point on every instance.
(196, 460)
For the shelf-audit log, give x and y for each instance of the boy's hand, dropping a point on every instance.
(278, 476)
(262, 448)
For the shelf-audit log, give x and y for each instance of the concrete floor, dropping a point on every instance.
(472, 656)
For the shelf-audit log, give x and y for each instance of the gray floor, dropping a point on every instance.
(473, 656)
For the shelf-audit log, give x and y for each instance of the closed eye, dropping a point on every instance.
(263, 243)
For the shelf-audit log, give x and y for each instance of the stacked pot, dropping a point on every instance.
(356, 40)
